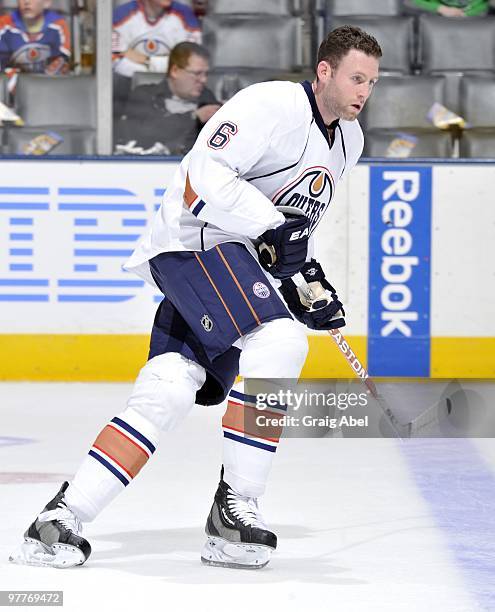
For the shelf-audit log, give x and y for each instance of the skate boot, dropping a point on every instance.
(54, 540)
(237, 534)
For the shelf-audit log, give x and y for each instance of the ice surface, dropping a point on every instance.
(356, 532)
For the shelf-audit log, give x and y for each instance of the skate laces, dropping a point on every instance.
(64, 516)
(245, 509)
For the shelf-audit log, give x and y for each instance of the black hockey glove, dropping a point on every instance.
(319, 307)
(283, 250)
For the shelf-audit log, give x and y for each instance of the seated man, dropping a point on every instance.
(172, 112)
(34, 39)
(144, 32)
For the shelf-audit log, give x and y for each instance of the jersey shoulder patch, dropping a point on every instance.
(5, 21)
(123, 12)
(186, 15)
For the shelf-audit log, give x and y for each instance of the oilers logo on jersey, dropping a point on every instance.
(32, 56)
(151, 46)
(310, 193)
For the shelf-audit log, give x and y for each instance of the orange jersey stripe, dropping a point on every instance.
(243, 419)
(231, 272)
(102, 450)
(126, 453)
(218, 294)
(190, 195)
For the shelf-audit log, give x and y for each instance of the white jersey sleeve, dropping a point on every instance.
(248, 132)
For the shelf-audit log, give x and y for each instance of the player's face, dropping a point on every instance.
(161, 4)
(190, 81)
(32, 9)
(346, 89)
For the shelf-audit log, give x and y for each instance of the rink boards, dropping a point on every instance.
(409, 247)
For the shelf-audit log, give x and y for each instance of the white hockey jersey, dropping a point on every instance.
(133, 30)
(266, 147)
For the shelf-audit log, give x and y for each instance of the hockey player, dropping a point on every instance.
(219, 248)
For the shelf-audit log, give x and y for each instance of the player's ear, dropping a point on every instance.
(324, 70)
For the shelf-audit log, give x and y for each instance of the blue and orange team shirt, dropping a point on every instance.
(45, 51)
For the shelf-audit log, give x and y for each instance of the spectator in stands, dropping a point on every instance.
(451, 8)
(34, 39)
(200, 8)
(172, 112)
(144, 31)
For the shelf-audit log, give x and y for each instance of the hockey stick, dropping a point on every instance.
(421, 424)
(402, 430)
(430, 417)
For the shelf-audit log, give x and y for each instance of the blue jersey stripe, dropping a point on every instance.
(249, 442)
(134, 432)
(198, 208)
(110, 467)
(242, 396)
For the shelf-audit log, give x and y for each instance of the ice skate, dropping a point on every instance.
(54, 539)
(237, 534)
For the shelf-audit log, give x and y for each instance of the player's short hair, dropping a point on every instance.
(180, 54)
(340, 41)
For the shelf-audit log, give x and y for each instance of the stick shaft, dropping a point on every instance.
(360, 371)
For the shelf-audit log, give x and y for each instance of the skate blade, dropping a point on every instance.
(60, 556)
(222, 553)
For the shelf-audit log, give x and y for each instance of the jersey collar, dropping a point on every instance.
(317, 115)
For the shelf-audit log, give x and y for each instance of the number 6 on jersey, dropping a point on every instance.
(222, 134)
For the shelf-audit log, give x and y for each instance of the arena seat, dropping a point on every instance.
(363, 7)
(76, 141)
(253, 41)
(477, 101)
(446, 48)
(266, 7)
(3, 88)
(401, 102)
(72, 100)
(70, 113)
(146, 78)
(395, 35)
(429, 144)
(225, 83)
(478, 143)
(477, 106)
(446, 44)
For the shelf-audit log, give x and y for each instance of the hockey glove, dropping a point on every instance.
(318, 307)
(283, 250)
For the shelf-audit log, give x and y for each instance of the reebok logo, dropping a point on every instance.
(400, 260)
(397, 266)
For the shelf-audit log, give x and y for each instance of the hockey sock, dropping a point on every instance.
(274, 350)
(119, 452)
